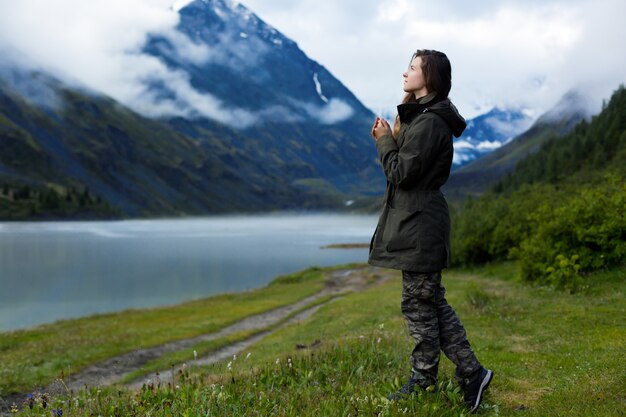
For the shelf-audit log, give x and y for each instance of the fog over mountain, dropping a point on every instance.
(534, 49)
(240, 120)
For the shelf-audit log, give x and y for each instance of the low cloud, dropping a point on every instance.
(183, 100)
(186, 50)
(98, 45)
(334, 111)
(509, 127)
(28, 85)
(509, 54)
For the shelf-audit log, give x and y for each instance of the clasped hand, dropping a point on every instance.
(380, 128)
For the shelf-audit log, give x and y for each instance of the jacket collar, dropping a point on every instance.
(409, 111)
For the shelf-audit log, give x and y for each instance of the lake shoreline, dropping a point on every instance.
(293, 212)
(359, 344)
(57, 270)
(69, 343)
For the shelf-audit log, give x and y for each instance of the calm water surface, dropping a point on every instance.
(55, 270)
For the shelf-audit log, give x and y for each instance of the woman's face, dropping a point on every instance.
(414, 79)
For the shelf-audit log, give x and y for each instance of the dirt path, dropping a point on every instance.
(228, 351)
(112, 370)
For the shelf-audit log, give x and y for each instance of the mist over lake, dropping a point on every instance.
(55, 270)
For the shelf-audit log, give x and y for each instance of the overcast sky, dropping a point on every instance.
(505, 53)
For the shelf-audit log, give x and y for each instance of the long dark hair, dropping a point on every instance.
(437, 75)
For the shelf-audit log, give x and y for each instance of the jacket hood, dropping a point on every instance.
(430, 103)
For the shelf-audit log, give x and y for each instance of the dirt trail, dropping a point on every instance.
(112, 370)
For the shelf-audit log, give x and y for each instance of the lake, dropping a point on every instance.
(56, 270)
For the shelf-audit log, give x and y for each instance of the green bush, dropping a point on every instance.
(541, 225)
(587, 229)
(565, 273)
(561, 212)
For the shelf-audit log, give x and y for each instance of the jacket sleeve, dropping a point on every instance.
(403, 166)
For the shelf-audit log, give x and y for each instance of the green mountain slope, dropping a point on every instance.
(589, 148)
(475, 177)
(129, 165)
(561, 212)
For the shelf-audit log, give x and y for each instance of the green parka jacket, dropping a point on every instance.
(413, 231)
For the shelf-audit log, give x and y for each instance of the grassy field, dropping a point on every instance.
(554, 354)
(34, 357)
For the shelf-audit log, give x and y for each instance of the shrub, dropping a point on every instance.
(558, 233)
(584, 233)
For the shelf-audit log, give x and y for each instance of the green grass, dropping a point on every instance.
(554, 354)
(34, 357)
(202, 348)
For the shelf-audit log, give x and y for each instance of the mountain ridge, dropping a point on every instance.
(487, 132)
(475, 177)
(193, 165)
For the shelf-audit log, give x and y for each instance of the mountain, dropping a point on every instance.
(138, 165)
(475, 177)
(488, 132)
(292, 112)
(258, 126)
(560, 212)
(591, 148)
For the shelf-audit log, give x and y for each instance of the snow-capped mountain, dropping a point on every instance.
(488, 132)
(229, 115)
(476, 177)
(295, 117)
(254, 73)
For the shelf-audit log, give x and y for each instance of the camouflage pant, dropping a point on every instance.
(435, 326)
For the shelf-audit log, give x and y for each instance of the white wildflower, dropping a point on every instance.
(381, 326)
(277, 361)
(195, 355)
(229, 366)
(234, 357)
(248, 355)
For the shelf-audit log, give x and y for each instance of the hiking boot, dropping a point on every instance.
(474, 387)
(415, 381)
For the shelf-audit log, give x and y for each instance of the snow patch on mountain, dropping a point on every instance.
(489, 145)
(488, 132)
(318, 88)
(460, 144)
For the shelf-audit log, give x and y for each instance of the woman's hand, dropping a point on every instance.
(380, 128)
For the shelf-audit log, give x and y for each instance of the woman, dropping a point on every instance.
(413, 232)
